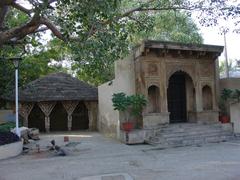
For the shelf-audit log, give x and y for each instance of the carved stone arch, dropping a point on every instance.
(207, 84)
(153, 84)
(184, 70)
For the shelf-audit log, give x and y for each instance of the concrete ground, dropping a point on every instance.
(90, 156)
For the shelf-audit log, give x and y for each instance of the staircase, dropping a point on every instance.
(188, 134)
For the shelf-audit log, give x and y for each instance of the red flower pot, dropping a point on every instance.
(224, 119)
(127, 126)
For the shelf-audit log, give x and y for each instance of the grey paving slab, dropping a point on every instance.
(95, 156)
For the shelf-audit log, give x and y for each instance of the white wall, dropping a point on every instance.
(108, 118)
(124, 82)
(235, 117)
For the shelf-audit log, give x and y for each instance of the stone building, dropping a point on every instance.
(58, 102)
(179, 81)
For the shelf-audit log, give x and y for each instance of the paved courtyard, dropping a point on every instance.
(90, 156)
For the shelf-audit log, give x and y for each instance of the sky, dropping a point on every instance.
(212, 36)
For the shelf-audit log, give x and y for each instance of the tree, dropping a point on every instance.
(98, 32)
(34, 65)
(232, 67)
(79, 20)
(95, 63)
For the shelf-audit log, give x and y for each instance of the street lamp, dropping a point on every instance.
(16, 65)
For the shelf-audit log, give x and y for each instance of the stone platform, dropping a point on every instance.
(188, 134)
(181, 134)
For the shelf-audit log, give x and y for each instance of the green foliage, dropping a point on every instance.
(102, 36)
(138, 101)
(6, 127)
(105, 38)
(171, 26)
(236, 95)
(34, 65)
(226, 94)
(232, 67)
(121, 101)
(134, 103)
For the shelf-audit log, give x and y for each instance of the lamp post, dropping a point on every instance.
(16, 65)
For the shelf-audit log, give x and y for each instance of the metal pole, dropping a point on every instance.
(226, 55)
(16, 100)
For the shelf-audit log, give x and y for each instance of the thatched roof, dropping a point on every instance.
(57, 87)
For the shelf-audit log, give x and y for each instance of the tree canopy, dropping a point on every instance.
(77, 20)
(95, 33)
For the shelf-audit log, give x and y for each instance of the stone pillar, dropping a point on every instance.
(25, 110)
(214, 97)
(164, 86)
(70, 106)
(47, 108)
(198, 96)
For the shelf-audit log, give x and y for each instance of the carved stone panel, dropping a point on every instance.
(206, 68)
(152, 69)
(189, 69)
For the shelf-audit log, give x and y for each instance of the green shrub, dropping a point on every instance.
(6, 127)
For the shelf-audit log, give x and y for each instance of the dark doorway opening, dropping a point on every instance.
(80, 119)
(153, 99)
(58, 118)
(176, 96)
(36, 119)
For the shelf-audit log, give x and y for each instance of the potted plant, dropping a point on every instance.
(223, 104)
(128, 105)
(137, 101)
(121, 102)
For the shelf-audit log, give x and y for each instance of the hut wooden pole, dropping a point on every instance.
(47, 108)
(25, 110)
(70, 106)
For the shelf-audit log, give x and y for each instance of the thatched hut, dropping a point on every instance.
(59, 102)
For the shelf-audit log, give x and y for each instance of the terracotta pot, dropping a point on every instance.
(224, 119)
(127, 126)
(66, 138)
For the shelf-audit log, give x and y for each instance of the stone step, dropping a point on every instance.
(190, 141)
(191, 133)
(196, 136)
(190, 130)
(188, 134)
(180, 128)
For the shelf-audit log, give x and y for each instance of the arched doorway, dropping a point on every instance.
(207, 98)
(36, 119)
(58, 118)
(180, 96)
(80, 120)
(153, 99)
